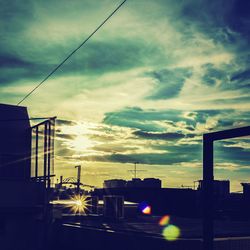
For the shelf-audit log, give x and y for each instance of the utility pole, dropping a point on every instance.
(78, 178)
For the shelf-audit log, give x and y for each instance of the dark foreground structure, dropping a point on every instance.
(208, 178)
(28, 221)
(24, 191)
(95, 233)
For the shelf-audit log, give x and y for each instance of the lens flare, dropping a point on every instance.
(79, 204)
(144, 208)
(147, 210)
(164, 220)
(171, 233)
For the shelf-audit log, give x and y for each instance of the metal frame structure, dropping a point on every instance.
(74, 181)
(48, 135)
(208, 179)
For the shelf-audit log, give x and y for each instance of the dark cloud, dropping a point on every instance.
(146, 122)
(213, 74)
(239, 19)
(152, 159)
(14, 68)
(158, 136)
(241, 76)
(102, 138)
(15, 15)
(169, 82)
(118, 54)
(190, 135)
(223, 123)
(113, 148)
(227, 77)
(65, 136)
(240, 80)
(190, 128)
(216, 18)
(233, 154)
(13, 61)
(235, 143)
(206, 12)
(171, 154)
(144, 119)
(60, 122)
(203, 115)
(237, 100)
(99, 57)
(184, 149)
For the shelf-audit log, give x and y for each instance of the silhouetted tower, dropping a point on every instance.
(78, 178)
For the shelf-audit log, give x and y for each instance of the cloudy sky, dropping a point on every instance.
(145, 88)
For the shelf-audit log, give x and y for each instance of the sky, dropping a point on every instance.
(145, 88)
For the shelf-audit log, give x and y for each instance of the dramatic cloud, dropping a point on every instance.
(145, 88)
(159, 136)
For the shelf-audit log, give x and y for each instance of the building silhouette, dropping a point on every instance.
(15, 143)
(135, 182)
(24, 200)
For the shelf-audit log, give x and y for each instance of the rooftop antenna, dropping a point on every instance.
(135, 170)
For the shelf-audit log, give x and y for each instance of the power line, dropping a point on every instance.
(73, 52)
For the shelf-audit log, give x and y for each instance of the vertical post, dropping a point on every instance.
(49, 152)
(45, 155)
(52, 143)
(36, 154)
(207, 193)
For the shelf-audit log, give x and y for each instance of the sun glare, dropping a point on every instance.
(80, 136)
(81, 143)
(79, 204)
